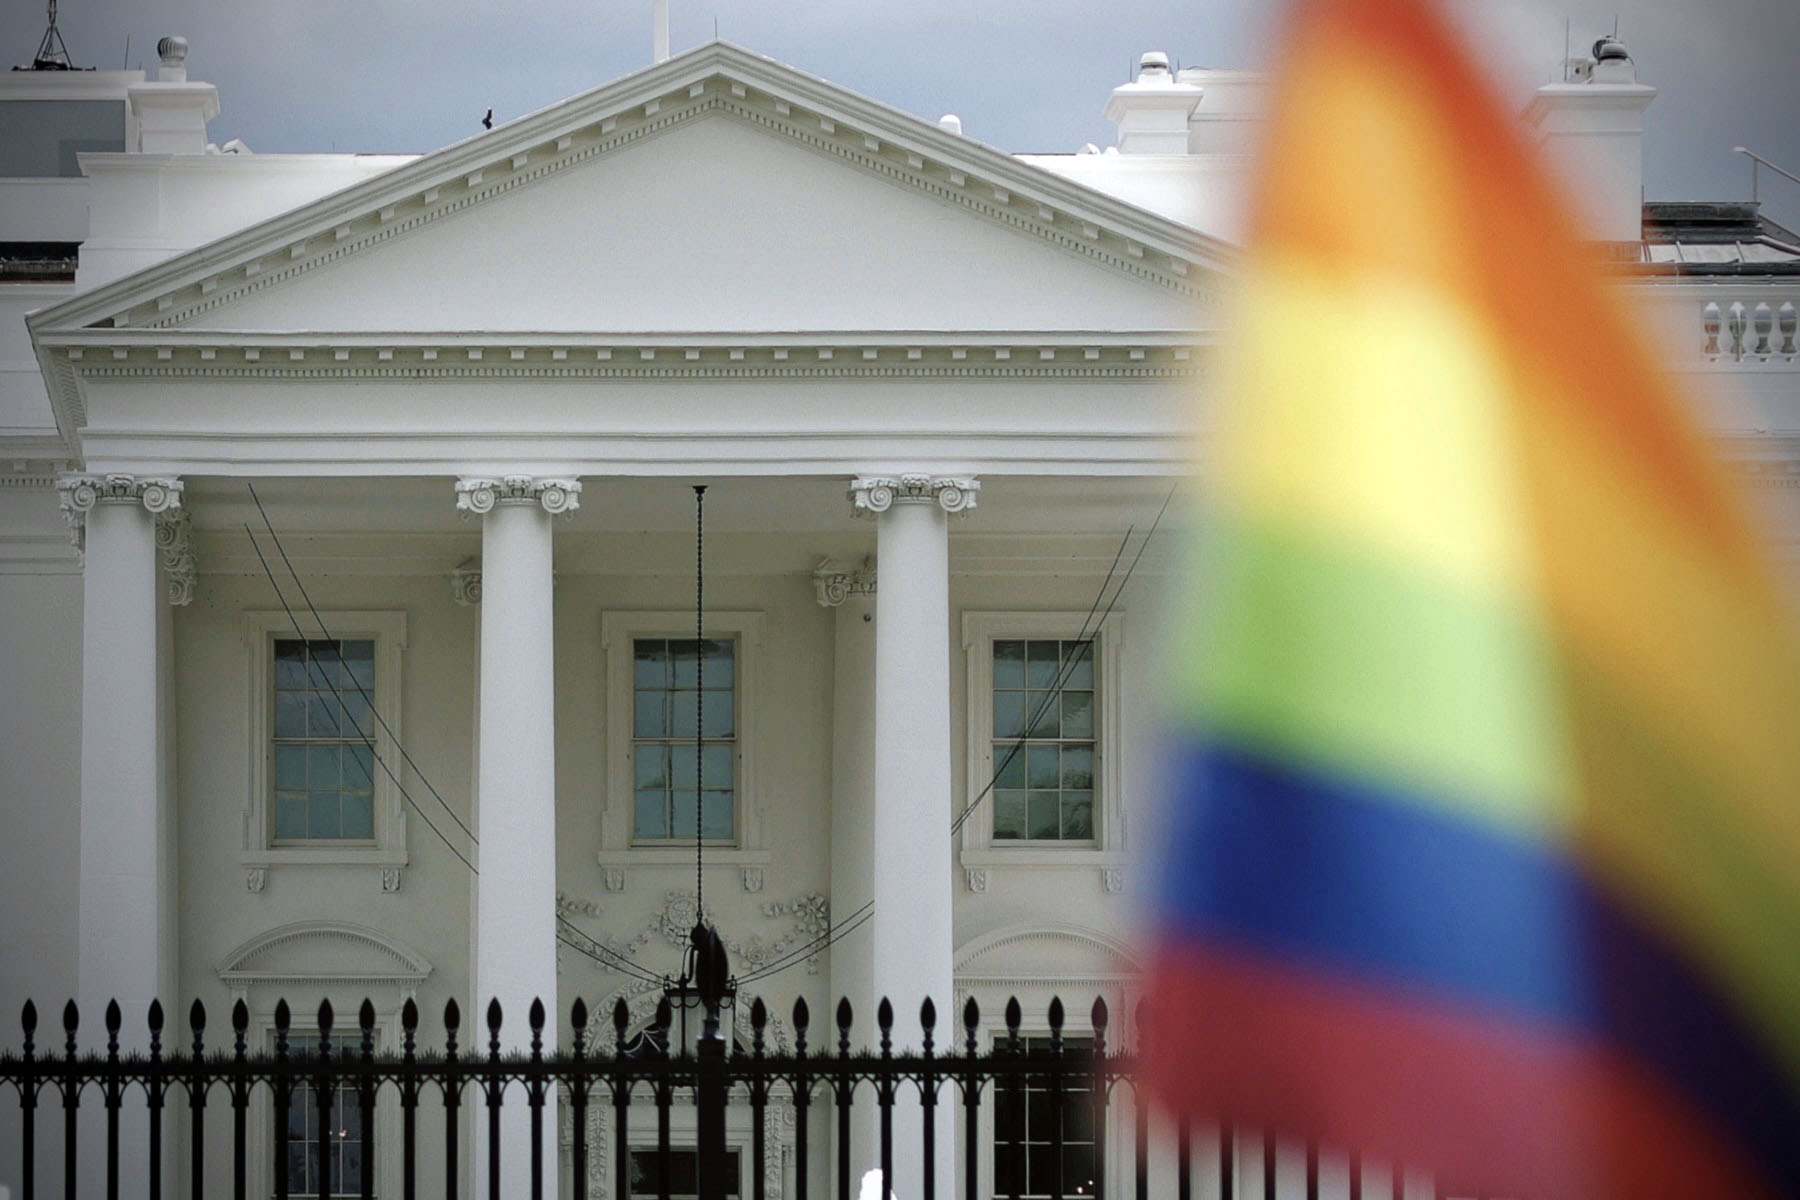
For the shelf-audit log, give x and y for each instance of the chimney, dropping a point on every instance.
(1152, 111)
(169, 114)
(1591, 128)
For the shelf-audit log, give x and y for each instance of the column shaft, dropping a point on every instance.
(121, 951)
(515, 891)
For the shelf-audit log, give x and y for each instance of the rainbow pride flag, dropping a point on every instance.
(1486, 831)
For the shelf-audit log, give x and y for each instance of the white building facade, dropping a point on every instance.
(348, 560)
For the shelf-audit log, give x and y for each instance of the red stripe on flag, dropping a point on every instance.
(1482, 1103)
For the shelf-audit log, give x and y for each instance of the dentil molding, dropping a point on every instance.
(479, 494)
(872, 495)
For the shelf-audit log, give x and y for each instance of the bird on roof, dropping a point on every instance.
(487, 122)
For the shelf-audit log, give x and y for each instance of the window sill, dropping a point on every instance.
(749, 864)
(1038, 854)
(361, 855)
(387, 860)
(682, 856)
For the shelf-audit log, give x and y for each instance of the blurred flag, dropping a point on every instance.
(1486, 845)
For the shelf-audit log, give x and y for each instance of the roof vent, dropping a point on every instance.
(1609, 49)
(173, 52)
(951, 123)
(1153, 62)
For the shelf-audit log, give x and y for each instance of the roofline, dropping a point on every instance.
(460, 158)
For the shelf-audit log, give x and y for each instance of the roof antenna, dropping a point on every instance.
(659, 30)
(52, 54)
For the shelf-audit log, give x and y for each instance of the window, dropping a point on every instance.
(682, 1168)
(1024, 1129)
(655, 707)
(349, 1157)
(1045, 710)
(1043, 747)
(324, 739)
(683, 738)
(323, 717)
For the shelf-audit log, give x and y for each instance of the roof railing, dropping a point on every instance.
(1757, 162)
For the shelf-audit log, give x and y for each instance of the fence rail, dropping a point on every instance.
(600, 1069)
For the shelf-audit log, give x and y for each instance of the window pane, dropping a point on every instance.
(650, 818)
(290, 714)
(359, 815)
(1009, 765)
(322, 815)
(720, 668)
(1009, 714)
(290, 664)
(1041, 769)
(300, 1168)
(1009, 814)
(1037, 1119)
(684, 663)
(719, 768)
(359, 766)
(1009, 1125)
(1039, 1167)
(290, 814)
(1009, 664)
(1080, 1169)
(290, 766)
(1044, 815)
(718, 717)
(651, 764)
(716, 814)
(649, 664)
(1078, 1122)
(1078, 714)
(357, 718)
(681, 816)
(322, 766)
(1078, 767)
(648, 718)
(1078, 814)
(1042, 662)
(321, 715)
(359, 664)
(683, 713)
(1078, 665)
(1043, 714)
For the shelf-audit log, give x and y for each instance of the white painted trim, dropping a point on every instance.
(388, 848)
(617, 629)
(979, 850)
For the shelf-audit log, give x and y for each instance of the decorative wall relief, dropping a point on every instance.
(807, 920)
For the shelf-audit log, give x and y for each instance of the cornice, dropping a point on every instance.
(715, 79)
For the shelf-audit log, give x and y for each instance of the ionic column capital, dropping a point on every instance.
(81, 494)
(872, 495)
(479, 494)
(835, 586)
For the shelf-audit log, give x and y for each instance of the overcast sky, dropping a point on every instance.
(1025, 75)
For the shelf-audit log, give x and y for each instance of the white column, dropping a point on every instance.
(515, 891)
(124, 952)
(121, 954)
(912, 938)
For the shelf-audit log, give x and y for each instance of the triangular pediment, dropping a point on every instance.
(716, 191)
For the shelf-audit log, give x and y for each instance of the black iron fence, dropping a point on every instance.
(1068, 1085)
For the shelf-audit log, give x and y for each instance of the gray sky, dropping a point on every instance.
(1025, 75)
